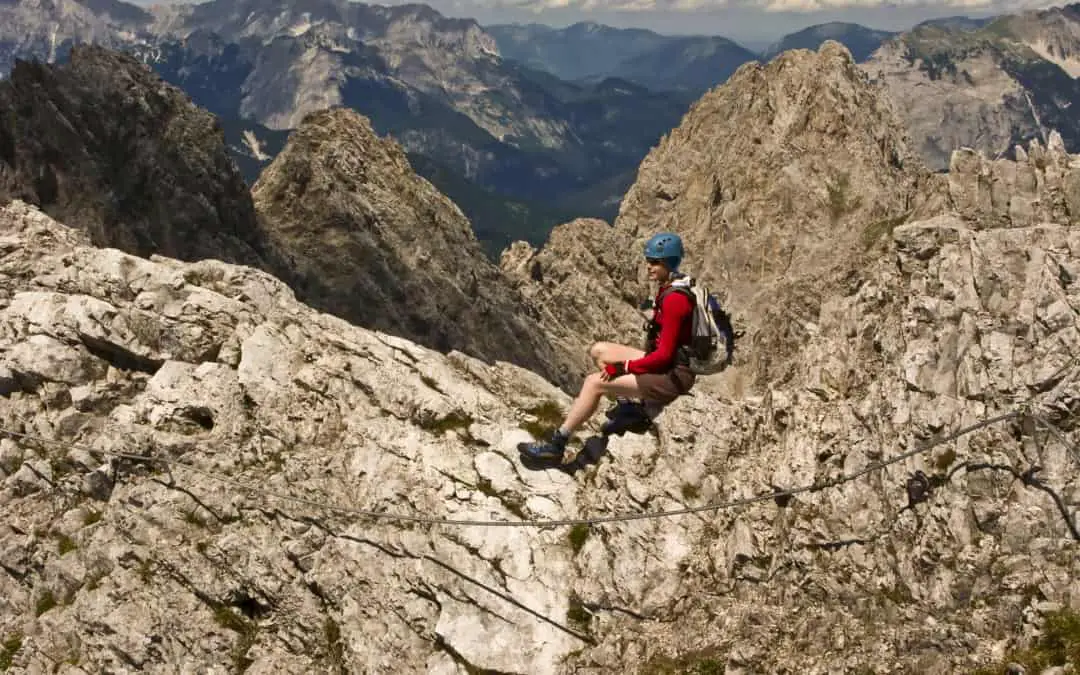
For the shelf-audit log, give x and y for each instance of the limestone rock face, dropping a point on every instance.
(778, 181)
(118, 563)
(1041, 185)
(46, 28)
(579, 281)
(105, 145)
(888, 334)
(988, 87)
(974, 101)
(219, 366)
(768, 174)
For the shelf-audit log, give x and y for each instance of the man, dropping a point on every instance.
(659, 375)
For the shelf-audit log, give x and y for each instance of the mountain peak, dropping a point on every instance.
(378, 245)
(775, 174)
(104, 144)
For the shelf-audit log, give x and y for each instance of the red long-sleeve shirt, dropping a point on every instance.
(674, 314)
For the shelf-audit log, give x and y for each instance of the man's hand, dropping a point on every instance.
(612, 371)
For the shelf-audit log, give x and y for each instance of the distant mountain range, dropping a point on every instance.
(484, 128)
(860, 40)
(525, 126)
(589, 51)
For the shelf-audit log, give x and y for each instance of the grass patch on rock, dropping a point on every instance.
(45, 603)
(65, 544)
(576, 614)
(12, 645)
(577, 536)
(440, 425)
(1058, 644)
(880, 228)
(548, 416)
(698, 662)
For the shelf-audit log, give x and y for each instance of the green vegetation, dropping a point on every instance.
(65, 544)
(226, 618)
(577, 615)
(840, 201)
(939, 49)
(246, 631)
(881, 228)
(548, 418)
(431, 383)
(334, 647)
(512, 503)
(1058, 644)
(8, 650)
(450, 422)
(497, 220)
(146, 570)
(577, 536)
(45, 603)
(945, 459)
(699, 662)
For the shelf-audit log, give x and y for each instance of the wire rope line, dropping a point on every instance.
(620, 517)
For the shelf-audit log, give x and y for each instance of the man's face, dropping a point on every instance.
(658, 270)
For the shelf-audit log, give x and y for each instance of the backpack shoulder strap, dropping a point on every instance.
(684, 285)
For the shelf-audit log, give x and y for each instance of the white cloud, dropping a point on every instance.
(773, 6)
(822, 5)
(629, 6)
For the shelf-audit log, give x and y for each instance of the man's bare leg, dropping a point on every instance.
(611, 352)
(591, 392)
(593, 389)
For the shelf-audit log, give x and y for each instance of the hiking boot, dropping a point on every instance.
(548, 451)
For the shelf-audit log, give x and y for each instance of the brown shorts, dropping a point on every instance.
(665, 387)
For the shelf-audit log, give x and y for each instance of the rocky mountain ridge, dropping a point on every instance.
(339, 215)
(435, 83)
(135, 567)
(520, 150)
(902, 307)
(859, 40)
(773, 180)
(47, 29)
(591, 51)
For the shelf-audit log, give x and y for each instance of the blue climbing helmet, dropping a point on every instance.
(666, 246)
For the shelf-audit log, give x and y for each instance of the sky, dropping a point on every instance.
(752, 23)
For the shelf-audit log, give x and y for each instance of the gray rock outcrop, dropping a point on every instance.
(103, 144)
(1041, 185)
(954, 557)
(218, 366)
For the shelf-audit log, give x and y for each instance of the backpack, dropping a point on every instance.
(712, 324)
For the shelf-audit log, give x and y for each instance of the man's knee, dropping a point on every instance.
(597, 350)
